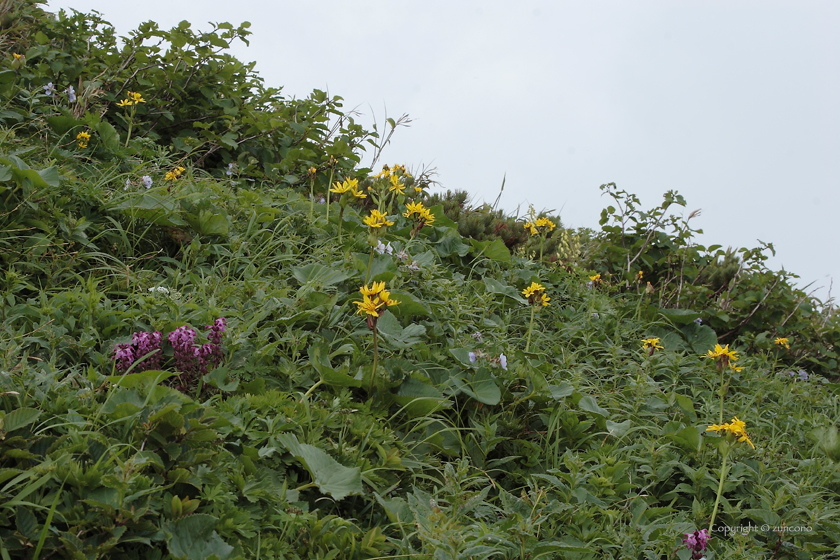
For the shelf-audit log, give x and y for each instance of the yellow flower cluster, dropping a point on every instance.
(424, 215)
(174, 174)
(724, 357)
(536, 294)
(651, 343)
(781, 341)
(83, 138)
(377, 219)
(133, 99)
(374, 300)
(396, 185)
(595, 279)
(540, 225)
(348, 186)
(735, 427)
(387, 172)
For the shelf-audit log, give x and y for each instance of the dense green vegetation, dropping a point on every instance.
(156, 185)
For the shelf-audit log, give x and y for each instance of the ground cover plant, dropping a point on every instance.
(224, 337)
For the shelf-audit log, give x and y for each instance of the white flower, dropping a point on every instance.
(159, 290)
(71, 94)
(229, 171)
(503, 361)
(381, 248)
(147, 181)
(127, 184)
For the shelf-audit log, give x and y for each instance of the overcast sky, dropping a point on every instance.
(734, 103)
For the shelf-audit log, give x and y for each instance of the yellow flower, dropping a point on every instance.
(427, 217)
(651, 343)
(174, 174)
(418, 189)
(377, 219)
(735, 427)
(536, 294)
(341, 188)
(641, 275)
(83, 138)
(312, 171)
(534, 288)
(17, 56)
(386, 172)
(396, 186)
(374, 300)
(532, 228)
(596, 278)
(723, 353)
(781, 341)
(545, 223)
(125, 103)
(413, 208)
(136, 97)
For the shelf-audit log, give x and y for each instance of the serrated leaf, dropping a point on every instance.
(19, 418)
(194, 538)
(330, 476)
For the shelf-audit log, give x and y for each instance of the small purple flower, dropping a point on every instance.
(477, 335)
(503, 361)
(696, 542)
(381, 248)
(229, 171)
(698, 320)
(147, 181)
(146, 343)
(71, 94)
(49, 89)
(472, 357)
(803, 375)
(124, 356)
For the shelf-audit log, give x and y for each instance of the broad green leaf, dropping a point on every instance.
(618, 429)
(419, 399)
(392, 333)
(194, 538)
(564, 389)
(108, 135)
(481, 386)
(687, 406)
(131, 380)
(319, 358)
(318, 274)
(496, 287)
(588, 404)
(329, 475)
(495, 250)
(680, 316)
(19, 418)
(462, 355)
(409, 306)
(441, 218)
(451, 244)
(61, 124)
(700, 338)
(152, 206)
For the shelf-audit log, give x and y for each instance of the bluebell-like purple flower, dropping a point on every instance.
(49, 89)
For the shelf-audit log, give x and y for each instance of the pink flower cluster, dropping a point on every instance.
(190, 357)
(142, 343)
(696, 542)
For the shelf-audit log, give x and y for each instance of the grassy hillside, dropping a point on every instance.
(223, 337)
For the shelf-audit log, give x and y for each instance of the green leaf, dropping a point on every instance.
(389, 328)
(61, 125)
(588, 404)
(154, 207)
(320, 360)
(108, 135)
(218, 378)
(419, 399)
(618, 429)
(495, 250)
(19, 418)
(679, 316)
(318, 274)
(451, 244)
(150, 377)
(441, 218)
(496, 287)
(687, 406)
(409, 306)
(700, 338)
(564, 389)
(481, 386)
(194, 538)
(329, 475)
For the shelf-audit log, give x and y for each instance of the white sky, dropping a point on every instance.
(732, 103)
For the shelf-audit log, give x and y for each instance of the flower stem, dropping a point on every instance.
(375, 359)
(530, 328)
(367, 274)
(329, 186)
(311, 197)
(309, 392)
(720, 489)
(340, 216)
(722, 391)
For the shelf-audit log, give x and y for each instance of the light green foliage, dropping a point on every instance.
(457, 444)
